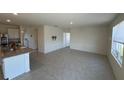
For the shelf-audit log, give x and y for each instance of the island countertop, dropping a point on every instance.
(14, 63)
(5, 52)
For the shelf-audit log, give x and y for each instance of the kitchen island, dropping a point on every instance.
(14, 63)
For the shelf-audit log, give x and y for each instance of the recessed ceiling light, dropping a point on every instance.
(15, 13)
(71, 22)
(8, 20)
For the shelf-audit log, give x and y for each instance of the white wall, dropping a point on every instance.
(49, 44)
(90, 39)
(118, 71)
(41, 39)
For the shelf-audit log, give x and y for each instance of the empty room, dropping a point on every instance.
(61, 46)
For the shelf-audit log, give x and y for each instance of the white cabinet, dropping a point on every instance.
(13, 33)
(15, 66)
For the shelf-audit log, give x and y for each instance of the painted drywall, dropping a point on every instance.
(49, 44)
(41, 39)
(118, 71)
(30, 33)
(90, 39)
(67, 30)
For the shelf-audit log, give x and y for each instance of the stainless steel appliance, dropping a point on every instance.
(4, 39)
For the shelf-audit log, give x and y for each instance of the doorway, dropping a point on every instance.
(66, 39)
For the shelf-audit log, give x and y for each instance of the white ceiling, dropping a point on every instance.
(58, 19)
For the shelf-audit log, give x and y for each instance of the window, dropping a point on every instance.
(117, 49)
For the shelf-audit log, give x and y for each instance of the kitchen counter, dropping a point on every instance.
(5, 52)
(14, 63)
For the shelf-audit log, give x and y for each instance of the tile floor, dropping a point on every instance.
(68, 64)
